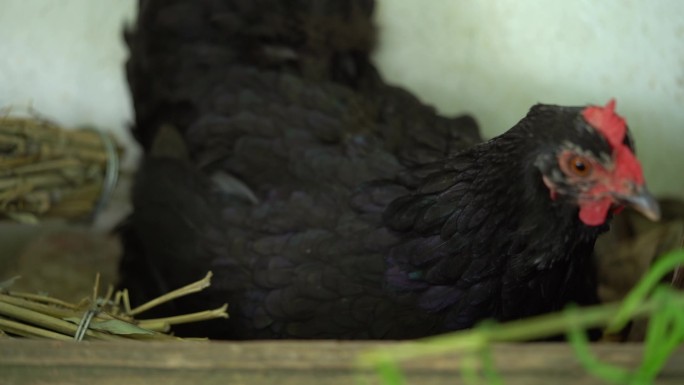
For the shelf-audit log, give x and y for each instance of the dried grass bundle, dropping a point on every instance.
(96, 317)
(50, 171)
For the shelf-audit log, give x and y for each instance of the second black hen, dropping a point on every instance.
(336, 209)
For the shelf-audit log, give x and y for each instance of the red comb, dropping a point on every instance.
(627, 165)
(607, 122)
(613, 128)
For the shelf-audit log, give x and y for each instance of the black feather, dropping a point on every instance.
(360, 213)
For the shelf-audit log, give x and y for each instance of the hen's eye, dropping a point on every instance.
(580, 166)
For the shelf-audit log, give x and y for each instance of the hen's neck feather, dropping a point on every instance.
(484, 216)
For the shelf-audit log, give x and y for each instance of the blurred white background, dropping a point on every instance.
(490, 58)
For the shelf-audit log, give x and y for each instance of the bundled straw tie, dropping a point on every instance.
(50, 171)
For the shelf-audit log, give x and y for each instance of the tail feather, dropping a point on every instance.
(173, 41)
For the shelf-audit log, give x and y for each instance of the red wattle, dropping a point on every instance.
(594, 213)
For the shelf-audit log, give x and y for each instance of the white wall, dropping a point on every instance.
(65, 59)
(492, 58)
(497, 58)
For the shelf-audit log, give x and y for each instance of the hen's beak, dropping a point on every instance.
(642, 201)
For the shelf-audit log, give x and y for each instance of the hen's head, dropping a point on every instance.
(587, 159)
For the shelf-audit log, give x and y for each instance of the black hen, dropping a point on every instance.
(337, 207)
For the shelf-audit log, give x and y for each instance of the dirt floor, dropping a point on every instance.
(61, 259)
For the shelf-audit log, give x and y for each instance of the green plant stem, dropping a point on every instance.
(527, 329)
(661, 268)
(578, 340)
(665, 334)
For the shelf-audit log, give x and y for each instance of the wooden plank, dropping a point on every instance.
(24, 362)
